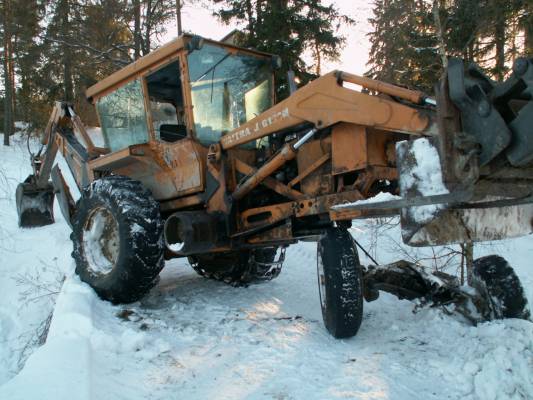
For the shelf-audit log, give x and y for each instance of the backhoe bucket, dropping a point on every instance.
(35, 206)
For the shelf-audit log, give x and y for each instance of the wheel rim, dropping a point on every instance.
(321, 278)
(101, 241)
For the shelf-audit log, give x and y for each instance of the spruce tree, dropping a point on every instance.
(406, 43)
(404, 46)
(290, 29)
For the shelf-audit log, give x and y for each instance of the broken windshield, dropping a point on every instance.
(228, 89)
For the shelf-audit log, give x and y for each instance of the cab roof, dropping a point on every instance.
(136, 68)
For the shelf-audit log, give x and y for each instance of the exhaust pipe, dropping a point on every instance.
(194, 232)
(174, 234)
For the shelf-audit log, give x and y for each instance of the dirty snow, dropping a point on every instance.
(426, 177)
(193, 338)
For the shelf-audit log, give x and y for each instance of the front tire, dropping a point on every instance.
(496, 280)
(117, 236)
(340, 283)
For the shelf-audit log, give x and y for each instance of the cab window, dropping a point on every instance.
(123, 117)
(228, 89)
(166, 103)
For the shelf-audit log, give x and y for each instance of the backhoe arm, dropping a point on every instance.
(35, 196)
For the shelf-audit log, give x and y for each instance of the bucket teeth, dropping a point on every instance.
(35, 206)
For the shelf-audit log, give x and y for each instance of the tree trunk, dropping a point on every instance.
(529, 41)
(440, 35)
(468, 249)
(528, 30)
(8, 78)
(462, 265)
(137, 37)
(13, 87)
(499, 37)
(148, 25)
(258, 12)
(471, 48)
(68, 85)
(250, 17)
(318, 59)
(178, 17)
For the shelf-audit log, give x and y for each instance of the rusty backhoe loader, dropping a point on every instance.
(200, 162)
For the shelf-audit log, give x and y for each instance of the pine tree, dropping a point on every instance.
(27, 18)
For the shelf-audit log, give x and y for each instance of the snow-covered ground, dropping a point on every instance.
(193, 338)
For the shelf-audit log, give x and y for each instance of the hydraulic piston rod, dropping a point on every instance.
(287, 153)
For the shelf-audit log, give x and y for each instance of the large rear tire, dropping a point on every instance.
(340, 283)
(239, 267)
(496, 280)
(117, 236)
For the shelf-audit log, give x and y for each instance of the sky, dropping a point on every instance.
(199, 20)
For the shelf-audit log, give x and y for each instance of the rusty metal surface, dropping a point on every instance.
(268, 215)
(184, 163)
(131, 71)
(181, 202)
(357, 147)
(287, 153)
(460, 164)
(324, 102)
(319, 181)
(219, 200)
(169, 170)
(306, 172)
(159, 55)
(196, 231)
(279, 234)
(349, 148)
(349, 214)
(269, 182)
(265, 216)
(66, 203)
(383, 87)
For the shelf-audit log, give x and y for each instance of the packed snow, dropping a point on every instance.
(193, 338)
(381, 196)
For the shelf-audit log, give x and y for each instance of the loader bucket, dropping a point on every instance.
(35, 206)
(449, 216)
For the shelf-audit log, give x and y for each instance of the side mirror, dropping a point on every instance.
(276, 62)
(291, 79)
(195, 43)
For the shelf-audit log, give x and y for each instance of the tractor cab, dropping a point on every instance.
(190, 88)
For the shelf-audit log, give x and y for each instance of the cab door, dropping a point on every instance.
(181, 158)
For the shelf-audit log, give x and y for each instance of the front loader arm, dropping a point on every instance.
(325, 102)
